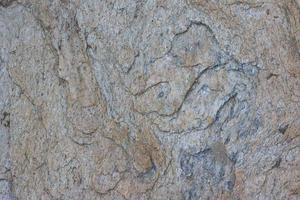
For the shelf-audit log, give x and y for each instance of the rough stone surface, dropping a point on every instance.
(149, 99)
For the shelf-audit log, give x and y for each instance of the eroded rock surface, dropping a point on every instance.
(162, 99)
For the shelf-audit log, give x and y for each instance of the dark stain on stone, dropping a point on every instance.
(6, 3)
(272, 75)
(5, 120)
(161, 94)
(282, 129)
(277, 163)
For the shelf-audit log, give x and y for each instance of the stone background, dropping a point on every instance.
(149, 99)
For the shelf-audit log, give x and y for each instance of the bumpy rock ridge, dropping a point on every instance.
(164, 99)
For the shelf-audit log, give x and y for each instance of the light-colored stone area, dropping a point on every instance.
(149, 99)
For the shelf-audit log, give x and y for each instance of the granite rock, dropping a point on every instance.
(162, 99)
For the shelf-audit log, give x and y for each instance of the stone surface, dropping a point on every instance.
(149, 99)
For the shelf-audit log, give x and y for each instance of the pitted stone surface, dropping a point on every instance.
(149, 99)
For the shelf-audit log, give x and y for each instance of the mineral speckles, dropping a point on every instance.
(85, 119)
(147, 153)
(208, 89)
(195, 46)
(110, 172)
(161, 74)
(163, 99)
(126, 58)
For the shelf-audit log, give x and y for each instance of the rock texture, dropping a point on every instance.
(149, 99)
